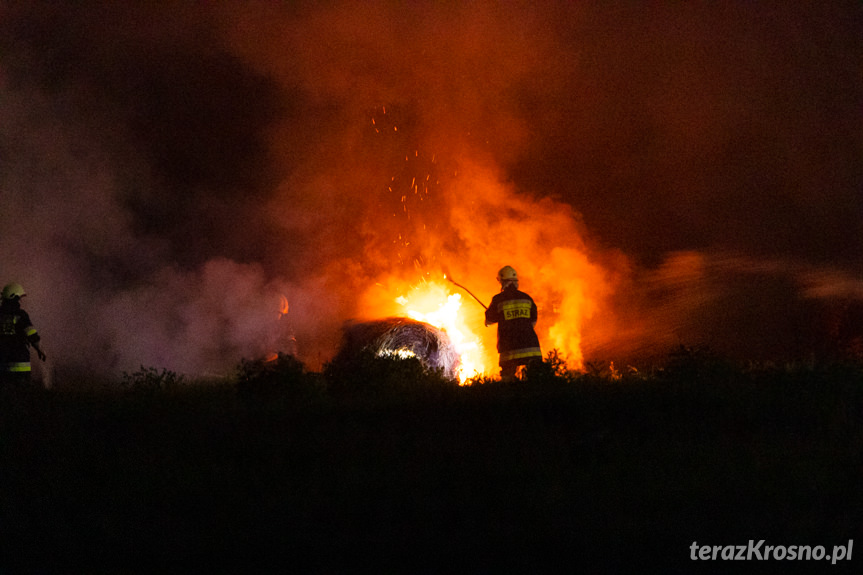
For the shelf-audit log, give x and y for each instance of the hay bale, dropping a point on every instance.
(402, 337)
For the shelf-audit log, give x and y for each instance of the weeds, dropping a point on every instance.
(282, 377)
(696, 365)
(151, 379)
(368, 374)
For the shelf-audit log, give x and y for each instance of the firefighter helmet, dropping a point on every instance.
(507, 273)
(13, 290)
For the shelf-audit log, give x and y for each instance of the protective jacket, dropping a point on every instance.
(515, 314)
(17, 334)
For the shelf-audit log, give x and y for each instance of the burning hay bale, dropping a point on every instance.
(402, 337)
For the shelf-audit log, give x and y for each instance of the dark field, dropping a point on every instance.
(285, 472)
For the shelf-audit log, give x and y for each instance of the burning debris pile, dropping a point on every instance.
(402, 337)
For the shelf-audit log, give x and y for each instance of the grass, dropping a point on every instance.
(402, 471)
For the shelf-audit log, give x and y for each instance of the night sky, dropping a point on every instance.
(167, 173)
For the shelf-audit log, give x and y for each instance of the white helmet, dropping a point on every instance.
(507, 273)
(13, 290)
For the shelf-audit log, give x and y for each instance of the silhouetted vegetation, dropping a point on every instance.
(151, 379)
(379, 463)
(283, 378)
(369, 375)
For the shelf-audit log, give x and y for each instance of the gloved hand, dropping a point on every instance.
(41, 354)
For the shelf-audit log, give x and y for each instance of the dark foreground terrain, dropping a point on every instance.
(287, 472)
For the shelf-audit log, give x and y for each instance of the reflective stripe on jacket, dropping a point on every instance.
(15, 367)
(523, 353)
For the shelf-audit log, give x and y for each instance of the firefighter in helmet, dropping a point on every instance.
(17, 336)
(515, 314)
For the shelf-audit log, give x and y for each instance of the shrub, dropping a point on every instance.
(696, 365)
(552, 369)
(284, 376)
(366, 373)
(149, 378)
(556, 364)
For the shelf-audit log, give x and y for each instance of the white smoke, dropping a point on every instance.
(104, 296)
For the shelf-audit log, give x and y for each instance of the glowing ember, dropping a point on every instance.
(431, 302)
(401, 353)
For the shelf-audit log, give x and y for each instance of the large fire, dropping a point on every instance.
(432, 303)
(562, 304)
(446, 210)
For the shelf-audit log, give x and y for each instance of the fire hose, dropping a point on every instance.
(447, 276)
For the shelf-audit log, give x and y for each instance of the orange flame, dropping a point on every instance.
(486, 225)
(432, 303)
(455, 212)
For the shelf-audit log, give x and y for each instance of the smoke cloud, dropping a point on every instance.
(659, 175)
